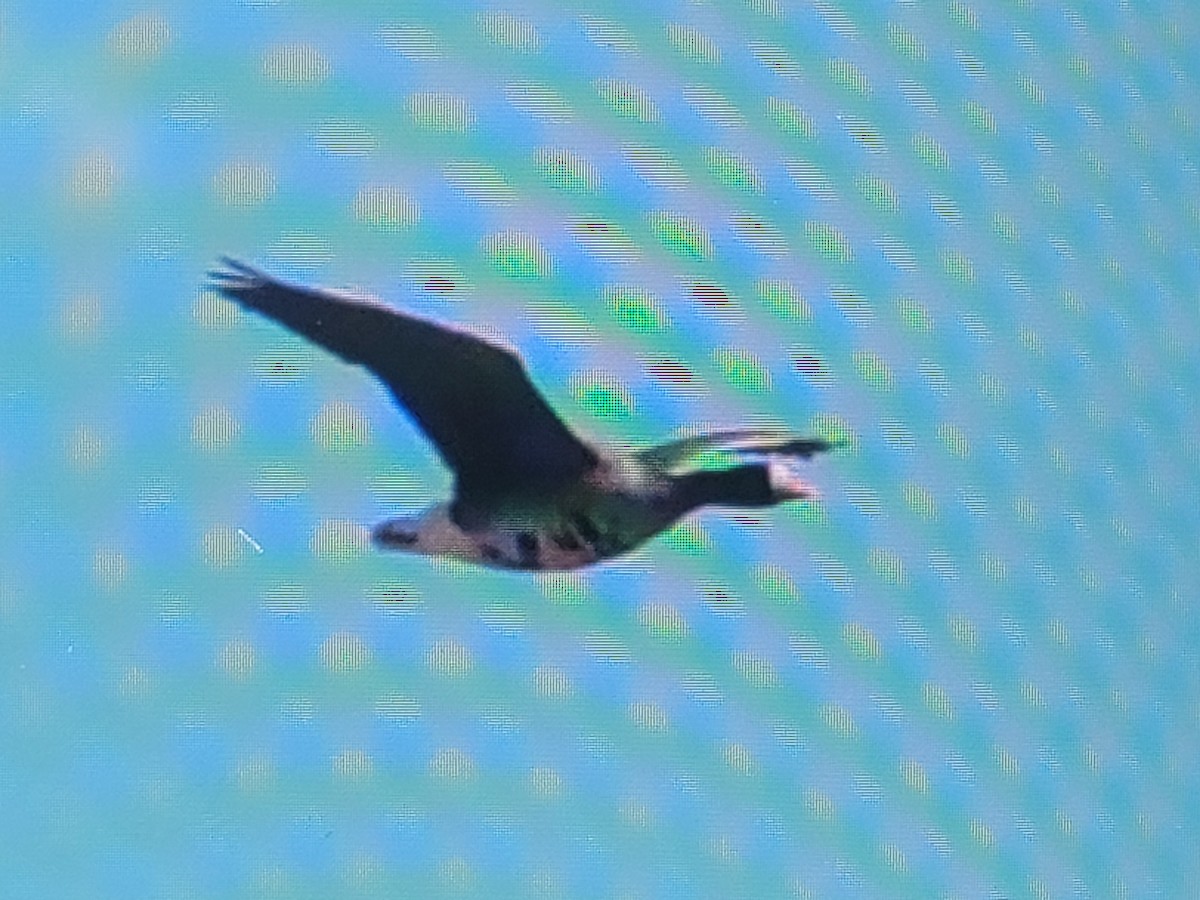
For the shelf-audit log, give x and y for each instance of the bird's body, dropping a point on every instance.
(529, 494)
(566, 536)
(614, 508)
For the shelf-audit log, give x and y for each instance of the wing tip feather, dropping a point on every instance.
(233, 278)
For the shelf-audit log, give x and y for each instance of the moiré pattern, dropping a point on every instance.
(961, 235)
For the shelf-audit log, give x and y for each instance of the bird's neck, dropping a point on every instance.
(738, 486)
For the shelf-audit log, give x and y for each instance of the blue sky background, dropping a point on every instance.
(964, 235)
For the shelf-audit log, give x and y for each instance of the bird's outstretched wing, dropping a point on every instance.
(472, 398)
(679, 454)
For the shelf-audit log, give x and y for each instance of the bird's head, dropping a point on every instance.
(784, 481)
(775, 479)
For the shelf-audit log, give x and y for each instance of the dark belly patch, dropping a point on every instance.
(587, 529)
(602, 543)
(566, 540)
(527, 549)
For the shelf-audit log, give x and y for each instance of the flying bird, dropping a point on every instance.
(528, 493)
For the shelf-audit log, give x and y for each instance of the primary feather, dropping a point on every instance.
(680, 454)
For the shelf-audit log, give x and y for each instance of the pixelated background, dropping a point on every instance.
(964, 234)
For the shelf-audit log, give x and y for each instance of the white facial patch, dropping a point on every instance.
(783, 473)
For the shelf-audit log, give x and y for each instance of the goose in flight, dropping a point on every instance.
(528, 494)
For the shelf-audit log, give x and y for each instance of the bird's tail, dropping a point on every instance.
(693, 452)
